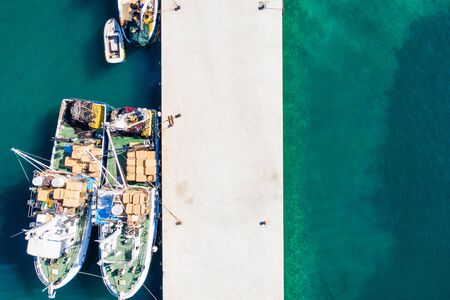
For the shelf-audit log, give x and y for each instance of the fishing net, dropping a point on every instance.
(85, 117)
(138, 36)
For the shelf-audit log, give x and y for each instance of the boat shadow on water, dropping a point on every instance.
(13, 204)
(415, 168)
(13, 256)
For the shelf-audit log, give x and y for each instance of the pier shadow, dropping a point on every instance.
(415, 167)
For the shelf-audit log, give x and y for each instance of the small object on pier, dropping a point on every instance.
(262, 223)
(261, 5)
(171, 121)
(176, 6)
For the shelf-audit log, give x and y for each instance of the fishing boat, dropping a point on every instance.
(61, 193)
(139, 21)
(114, 44)
(128, 203)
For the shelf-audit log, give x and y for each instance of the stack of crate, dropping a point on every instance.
(135, 206)
(74, 194)
(141, 165)
(80, 162)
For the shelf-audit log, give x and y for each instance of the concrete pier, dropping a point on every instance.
(223, 159)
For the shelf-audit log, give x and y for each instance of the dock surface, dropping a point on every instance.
(223, 159)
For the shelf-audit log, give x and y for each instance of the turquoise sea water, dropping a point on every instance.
(367, 146)
(367, 149)
(49, 51)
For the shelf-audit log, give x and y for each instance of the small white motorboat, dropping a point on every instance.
(114, 45)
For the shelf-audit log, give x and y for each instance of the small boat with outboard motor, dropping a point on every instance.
(113, 40)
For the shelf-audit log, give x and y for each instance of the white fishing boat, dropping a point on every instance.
(128, 204)
(62, 193)
(59, 236)
(114, 44)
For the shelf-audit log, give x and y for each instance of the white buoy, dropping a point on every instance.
(38, 181)
(117, 210)
(154, 249)
(59, 182)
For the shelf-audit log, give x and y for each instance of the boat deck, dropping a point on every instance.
(119, 142)
(58, 160)
(223, 159)
(65, 263)
(121, 259)
(123, 271)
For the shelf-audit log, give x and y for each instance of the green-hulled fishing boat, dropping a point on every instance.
(139, 21)
(128, 203)
(61, 193)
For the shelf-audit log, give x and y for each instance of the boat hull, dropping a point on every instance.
(133, 31)
(114, 46)
(141, 279)
(150, 225)
(73, 258)
(78, 262)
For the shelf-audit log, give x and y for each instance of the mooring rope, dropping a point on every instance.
(178, 221)
(23, 169)
(90, 274)
(98, 276)
(148, 290)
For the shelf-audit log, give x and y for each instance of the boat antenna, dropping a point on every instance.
(115, 155)
(51, 292)
(20, 232)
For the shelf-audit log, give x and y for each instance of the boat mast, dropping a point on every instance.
(124, 183)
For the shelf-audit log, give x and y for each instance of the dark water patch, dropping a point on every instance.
(13, 257)
(340, 60)
(415, 168)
